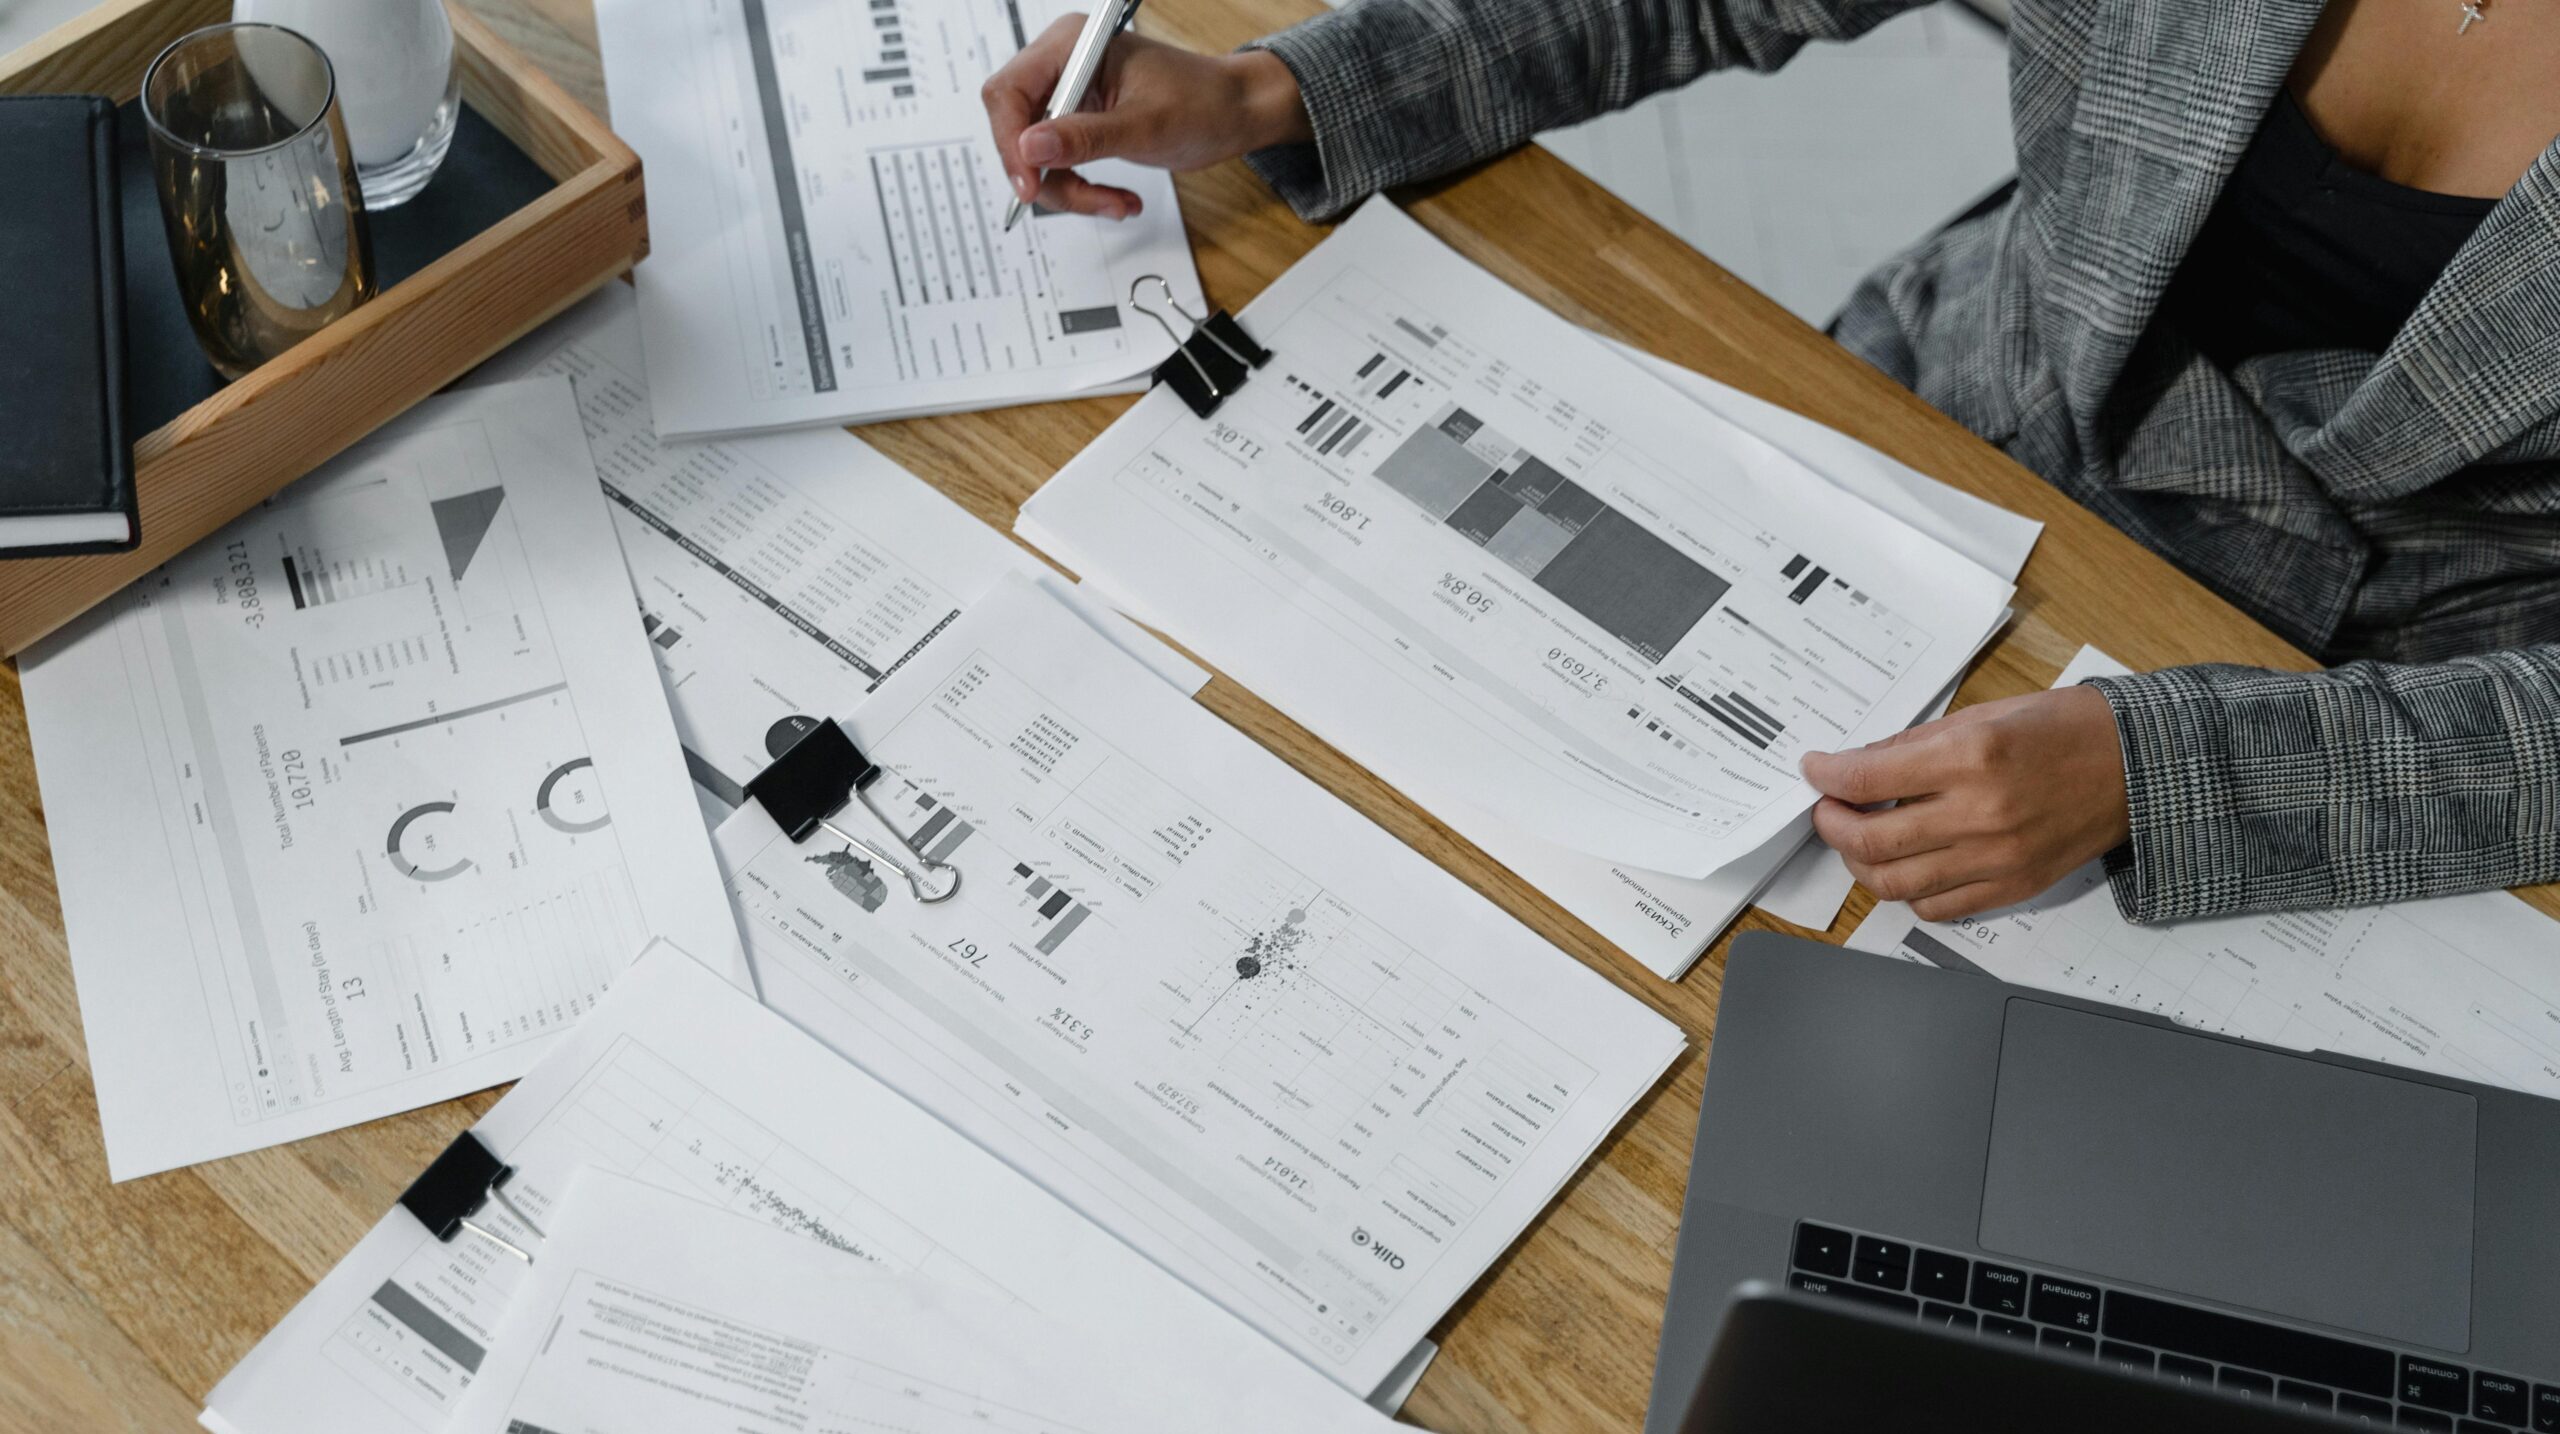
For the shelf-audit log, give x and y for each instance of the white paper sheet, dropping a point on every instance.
(1191, 993)
(650, 1313)
(360, 802)
(1466, 543)
(1667, 921)
(826, 214)
(779, 575)
(689, 1085)
(2465, 986)
(1809, 887)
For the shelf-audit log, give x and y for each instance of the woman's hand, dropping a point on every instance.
(1153, 103)
(1998, 802)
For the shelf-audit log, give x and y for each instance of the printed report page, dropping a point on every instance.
(1191, 992)
(361, 802)
(827, 215)
(1466, 543)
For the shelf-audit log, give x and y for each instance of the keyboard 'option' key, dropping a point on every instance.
(1999, 1289)
(1938, 1275)
(2500, 1399)
(1822, 1250)
(2358, 1409)
(2066, 1303)
(2432, 1385)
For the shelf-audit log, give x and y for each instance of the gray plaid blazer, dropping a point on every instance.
(2397, 512)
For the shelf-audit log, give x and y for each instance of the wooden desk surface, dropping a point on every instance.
(120, 1306)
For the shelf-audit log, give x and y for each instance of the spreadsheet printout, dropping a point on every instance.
(1190, 992)
(363, 800)
(2464, 986)
(780, 576)
(612, 1333)
(685, 1083)
(827, 218)
(1485, 556)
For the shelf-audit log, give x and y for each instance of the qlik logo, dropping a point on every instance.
(1385, 1256)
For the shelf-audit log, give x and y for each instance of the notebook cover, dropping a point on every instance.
(62, 357)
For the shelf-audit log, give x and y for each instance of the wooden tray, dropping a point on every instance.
(243, 441)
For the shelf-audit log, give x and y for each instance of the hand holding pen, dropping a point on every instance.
(1148, 102)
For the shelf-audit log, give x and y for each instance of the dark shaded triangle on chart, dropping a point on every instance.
(462, 521)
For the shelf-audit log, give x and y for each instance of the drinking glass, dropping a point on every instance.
(257, 188)
(398, 85)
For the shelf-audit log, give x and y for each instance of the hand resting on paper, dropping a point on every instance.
(1154, 104)
(1998, 801)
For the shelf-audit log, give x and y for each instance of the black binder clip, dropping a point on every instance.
(454, 1187)
(1213, 362)
(812, 780)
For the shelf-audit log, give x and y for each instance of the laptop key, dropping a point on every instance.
(1999, 1289)
(2126, 1355)
(2546, 1409)
(2357, 1409)
(2431, 1385)
(1878, 1273)
(2007, 1328)
(2414, 1418)
(1873, 1251)
(1855, 1294)
(2067, 1342)
(2303, 1396)
(2246, 1384)
(2499, 1399)
(2178, 1369)
(2069, 1304)
(1951, 1316)
(1822, 1250)
(2480, 1426)
(1938, 1275)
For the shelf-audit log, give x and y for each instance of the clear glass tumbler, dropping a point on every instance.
(397, 82)
(258, 190)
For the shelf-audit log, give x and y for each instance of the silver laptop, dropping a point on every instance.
(2315, 1231)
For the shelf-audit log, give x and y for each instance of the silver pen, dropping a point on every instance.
(1109, 18)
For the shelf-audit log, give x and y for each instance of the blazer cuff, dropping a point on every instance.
(1323, 179)
(2183, 858)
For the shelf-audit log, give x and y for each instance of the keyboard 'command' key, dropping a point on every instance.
(2430, 1385)
(2063, 1302)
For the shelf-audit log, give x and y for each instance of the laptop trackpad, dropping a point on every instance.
(2334, 1196)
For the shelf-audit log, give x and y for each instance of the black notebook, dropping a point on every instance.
(66, 457)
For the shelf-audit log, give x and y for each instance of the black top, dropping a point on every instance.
(2306, 251)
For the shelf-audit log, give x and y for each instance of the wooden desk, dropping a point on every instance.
(120, 1306)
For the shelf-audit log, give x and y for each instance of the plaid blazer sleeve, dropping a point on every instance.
(2362, 784)
(1403, 90)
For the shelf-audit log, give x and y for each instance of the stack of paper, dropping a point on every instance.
(826, 216)
(731, 1117)
(1569, 607)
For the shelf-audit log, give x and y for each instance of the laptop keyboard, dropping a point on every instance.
(2360, 1383)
